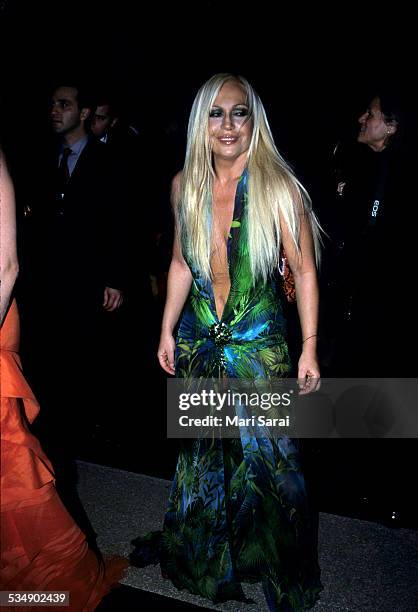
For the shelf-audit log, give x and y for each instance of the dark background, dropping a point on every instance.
(314, 69)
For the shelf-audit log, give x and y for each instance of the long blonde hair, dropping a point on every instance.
(272, 188)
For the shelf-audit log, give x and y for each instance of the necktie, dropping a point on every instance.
(63, 177)
(63, 167)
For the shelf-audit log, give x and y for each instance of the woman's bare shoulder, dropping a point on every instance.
(176, 182)
(176, 187)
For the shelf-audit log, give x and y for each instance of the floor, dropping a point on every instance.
(366, 566)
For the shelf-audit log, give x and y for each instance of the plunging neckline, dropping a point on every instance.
(235, 223)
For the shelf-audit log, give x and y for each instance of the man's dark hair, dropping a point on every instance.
(83, 95)
(105, 98)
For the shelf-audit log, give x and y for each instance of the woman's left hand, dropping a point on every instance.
(309, 376)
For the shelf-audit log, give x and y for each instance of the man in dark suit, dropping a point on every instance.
(73, 270)
(110, 126)
(77, 268)
(84, 238)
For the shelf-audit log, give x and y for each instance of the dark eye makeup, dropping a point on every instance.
(239, 111)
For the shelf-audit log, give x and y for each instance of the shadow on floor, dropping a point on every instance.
(130, 599)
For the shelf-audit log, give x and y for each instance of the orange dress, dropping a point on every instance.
(41, 546)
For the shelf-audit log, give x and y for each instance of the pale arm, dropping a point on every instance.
(303, 267)
(179, 282)
(9, 266)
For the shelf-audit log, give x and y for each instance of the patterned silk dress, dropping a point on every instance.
(238, 510)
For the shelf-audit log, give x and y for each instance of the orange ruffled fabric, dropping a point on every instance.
(41, 546)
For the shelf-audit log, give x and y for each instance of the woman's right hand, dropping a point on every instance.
(165, 353)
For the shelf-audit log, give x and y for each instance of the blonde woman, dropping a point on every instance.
(238, 511)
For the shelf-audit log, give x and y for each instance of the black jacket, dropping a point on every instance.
(77, 242)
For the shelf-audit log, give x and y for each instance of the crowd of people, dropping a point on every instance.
(94, 278)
